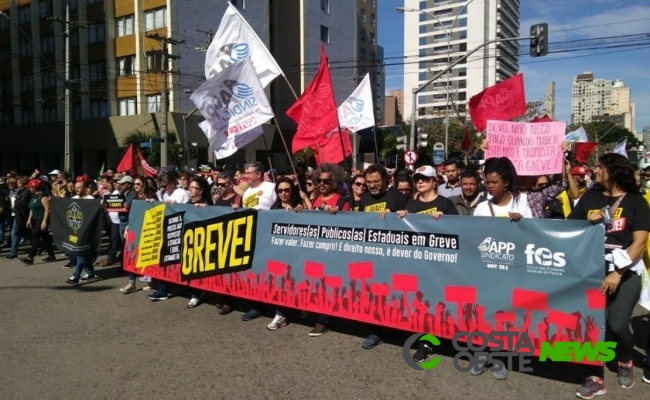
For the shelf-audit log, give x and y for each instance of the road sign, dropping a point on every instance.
(145, 144)
(410, 157)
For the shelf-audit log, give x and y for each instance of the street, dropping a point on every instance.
(93, 342)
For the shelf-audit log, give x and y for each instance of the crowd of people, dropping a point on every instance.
(610, 193)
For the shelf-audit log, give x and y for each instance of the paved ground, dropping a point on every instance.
(92, 342)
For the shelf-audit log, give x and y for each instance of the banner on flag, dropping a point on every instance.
(227, 145)
(584, 150)
(357, 113)
(579, 135)
(503, 101)
(76, 225)
(235, 41)
(233, 103)
(148, 170)
(621, 148)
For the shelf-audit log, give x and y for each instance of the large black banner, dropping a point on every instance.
(76, 225)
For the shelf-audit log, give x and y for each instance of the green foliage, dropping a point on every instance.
(152, 155)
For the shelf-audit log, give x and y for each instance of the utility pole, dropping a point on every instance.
(68, 147)
(164, 96)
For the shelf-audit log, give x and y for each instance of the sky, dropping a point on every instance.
(567, 20)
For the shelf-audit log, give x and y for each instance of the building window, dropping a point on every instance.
(24, 14)
(462, 71)
(75, 73)
(50, 114)
(325, 5)
(462, 96)
(239, 3)
(372, 56)
(362, 34)
(156, 18)
(7, 87)
(97, 71)
(26, 83)
(324, 34)
(373, 19)
(5, 53)
(362, 53)
(373, 3)
(124, 26)
(74, 37)
(126, 106)
(99, 109)
(373, 38)
(25, 49)
(45, 8)
(7, 117)
(153, 103)
(362, 14)
(126, 66)
(4, 22)
(74, 4)
(49, 80)
(97, 33)
(29, 117)
(462, 23)
(47, 44)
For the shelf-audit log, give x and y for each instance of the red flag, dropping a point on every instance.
(544, 118)
(504, 101)
(329, 151)
(315, 111)
(147, 169)
(584, 151)
(128, 162)
(466, 144)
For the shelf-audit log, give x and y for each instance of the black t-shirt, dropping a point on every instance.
(228, 202)
(632, 214)
(440, 203)
(390, 200)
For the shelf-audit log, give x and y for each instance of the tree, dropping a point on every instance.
(152, 155)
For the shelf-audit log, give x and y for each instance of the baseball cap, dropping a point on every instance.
(578, 171)
(54, 172)
(425, 170)
(125, 179)
(34, 183)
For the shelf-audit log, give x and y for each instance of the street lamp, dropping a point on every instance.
(448, 34)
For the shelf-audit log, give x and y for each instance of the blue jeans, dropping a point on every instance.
(115, 241)
(15, 240)
(84, 262)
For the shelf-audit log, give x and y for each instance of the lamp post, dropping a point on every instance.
(448, 34)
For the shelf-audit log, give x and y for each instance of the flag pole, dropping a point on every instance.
(268, 155)
(374, 134)
(284, 142)
(290, 87)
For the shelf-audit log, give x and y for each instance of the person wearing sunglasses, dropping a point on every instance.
(226, 195)
(404, 185)
(358, 189)
(428, 201)
(330, 197)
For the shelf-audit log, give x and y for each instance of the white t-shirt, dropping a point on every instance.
(521, 207)
(261, 197)
(178, 196)
(88, 197)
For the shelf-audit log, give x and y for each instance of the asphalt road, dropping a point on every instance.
(93, 342)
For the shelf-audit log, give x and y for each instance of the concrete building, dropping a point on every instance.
(369, 55)
(595, 99)
(399, 96)
(549, 100)
(393, 103)
(440, 33)
(113, 92)
(646, 137)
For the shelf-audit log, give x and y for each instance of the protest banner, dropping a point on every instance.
(76, 225)
(533, 148)
(415, 274)
(114, 202)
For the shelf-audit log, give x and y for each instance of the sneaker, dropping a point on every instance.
(88, 277)
(158, 295)
(371, 342)
(480, 367)
(422, 352)
(72, 280)
(106, 263)
(69, 265)
(146, 279)
(250, 315)
(277, 323)
(319, 330)
(626, 375)
(646, 375)
(591, 388)
(10, 257)
(194, 301)
(49, 259)
(148, 287)
(28, 261)
(225, 309)
(130, 288)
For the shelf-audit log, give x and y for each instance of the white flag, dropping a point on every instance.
(579, 135)
(234, 41)
(225, 146)
(232, 102)
(357, 112)
(621, 148)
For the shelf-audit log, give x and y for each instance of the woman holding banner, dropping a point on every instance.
(616, 202)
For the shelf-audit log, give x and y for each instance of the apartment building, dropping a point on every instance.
(598, 99)
(116, 87)
(370, 55)
(437, 33)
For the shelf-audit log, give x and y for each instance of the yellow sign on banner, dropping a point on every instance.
(151, 237)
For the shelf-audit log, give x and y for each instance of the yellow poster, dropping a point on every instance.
(151, 237)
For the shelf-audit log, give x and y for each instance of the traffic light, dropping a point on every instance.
(194, 152)
(422, 138)
(179, 152)
(539, 41)
(401, 140)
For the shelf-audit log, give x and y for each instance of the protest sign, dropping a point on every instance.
(533, 148)
(414, 274)
(76, 225)
(114, 202)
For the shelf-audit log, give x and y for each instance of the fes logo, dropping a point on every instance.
(75, 217)
(236, 51)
